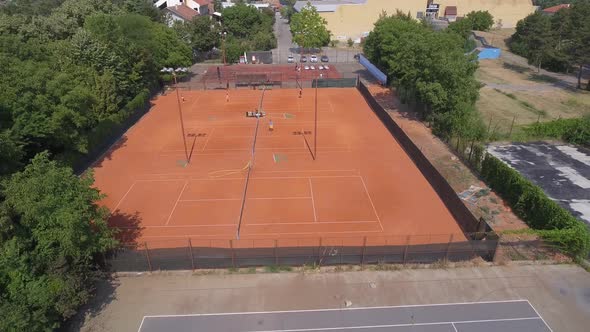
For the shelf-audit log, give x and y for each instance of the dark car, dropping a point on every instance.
(324, 58)
(303, 58)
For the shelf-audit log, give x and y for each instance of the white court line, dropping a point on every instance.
(257, 234)
(122, 198)
(371, 200)
(263, 224)
(544, 322)
(315, 217)
(454, 327)
(175, 204)
(315, 222)
(335, 309)
(208, 138)
(239, 199)
(395, 325)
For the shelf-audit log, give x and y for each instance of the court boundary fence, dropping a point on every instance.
(192, 254)
(468, 223)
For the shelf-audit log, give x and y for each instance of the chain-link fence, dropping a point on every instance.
(187, 253)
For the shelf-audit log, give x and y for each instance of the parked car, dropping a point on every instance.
(313, 58)
(325, 58)
(303, 58)
(290, 59)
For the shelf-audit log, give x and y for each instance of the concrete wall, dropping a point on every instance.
(354, 21)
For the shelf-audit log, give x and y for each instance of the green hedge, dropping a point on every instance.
(575, 131)
(529, 202)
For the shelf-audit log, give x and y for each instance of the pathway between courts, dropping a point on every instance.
(560, 294)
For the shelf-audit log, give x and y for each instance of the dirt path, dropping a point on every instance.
(460, 177)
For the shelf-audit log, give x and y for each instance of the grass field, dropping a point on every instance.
(516, 93)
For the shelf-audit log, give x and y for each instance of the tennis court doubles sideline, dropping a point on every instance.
(505, 316)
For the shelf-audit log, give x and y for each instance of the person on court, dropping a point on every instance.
(227, 96)
(270, 125)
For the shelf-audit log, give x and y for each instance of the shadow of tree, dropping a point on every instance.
(517, 68)
(128, 227)
(103, 295)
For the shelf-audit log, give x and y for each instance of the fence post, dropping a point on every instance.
(449, 247)
(363, 251)
(233, 258)
(190, 247)
(276, 254)
(319, 251)
(406, 248)
(147, 255)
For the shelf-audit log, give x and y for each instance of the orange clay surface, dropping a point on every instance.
(361, 184)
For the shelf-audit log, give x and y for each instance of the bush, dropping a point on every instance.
(575, 131)
(350, 42)
(531, 204)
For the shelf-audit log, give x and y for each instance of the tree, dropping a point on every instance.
(428, 68)
(309, 28)
(479, 20)
(52, 229)
(534, 38)
(200, 33)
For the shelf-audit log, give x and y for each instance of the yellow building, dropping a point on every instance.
(355, 18)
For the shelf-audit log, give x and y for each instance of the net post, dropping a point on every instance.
(190, 247)
(363, 251)
(147, 256)
(319, 253)
(449, 247)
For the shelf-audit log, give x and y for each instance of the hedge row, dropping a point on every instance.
(529, 202)
(575, 131)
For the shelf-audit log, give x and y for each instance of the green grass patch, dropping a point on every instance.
(277, 268)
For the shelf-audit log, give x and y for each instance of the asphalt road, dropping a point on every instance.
(286, 47)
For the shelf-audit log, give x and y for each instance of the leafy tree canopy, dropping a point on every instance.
(309, 28)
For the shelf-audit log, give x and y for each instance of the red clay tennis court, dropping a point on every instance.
(248, 182)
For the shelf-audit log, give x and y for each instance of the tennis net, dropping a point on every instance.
(251, 163)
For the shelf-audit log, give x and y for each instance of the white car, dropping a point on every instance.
(313, 58)
(290, 59)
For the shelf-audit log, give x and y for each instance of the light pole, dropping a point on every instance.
(223, 35)
(173, 72)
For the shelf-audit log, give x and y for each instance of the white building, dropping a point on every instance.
(180, 13)
(258, 5)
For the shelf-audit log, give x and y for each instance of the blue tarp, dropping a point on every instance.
(378, 74)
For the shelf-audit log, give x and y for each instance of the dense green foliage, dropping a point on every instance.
(429, 69)
(50, 231)
(73, 73)
(309, 28)
(531, 204)
(67, 72)
(200, 33)
(248, 29)
(575, 131)
(559, 42)
(479, 20)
